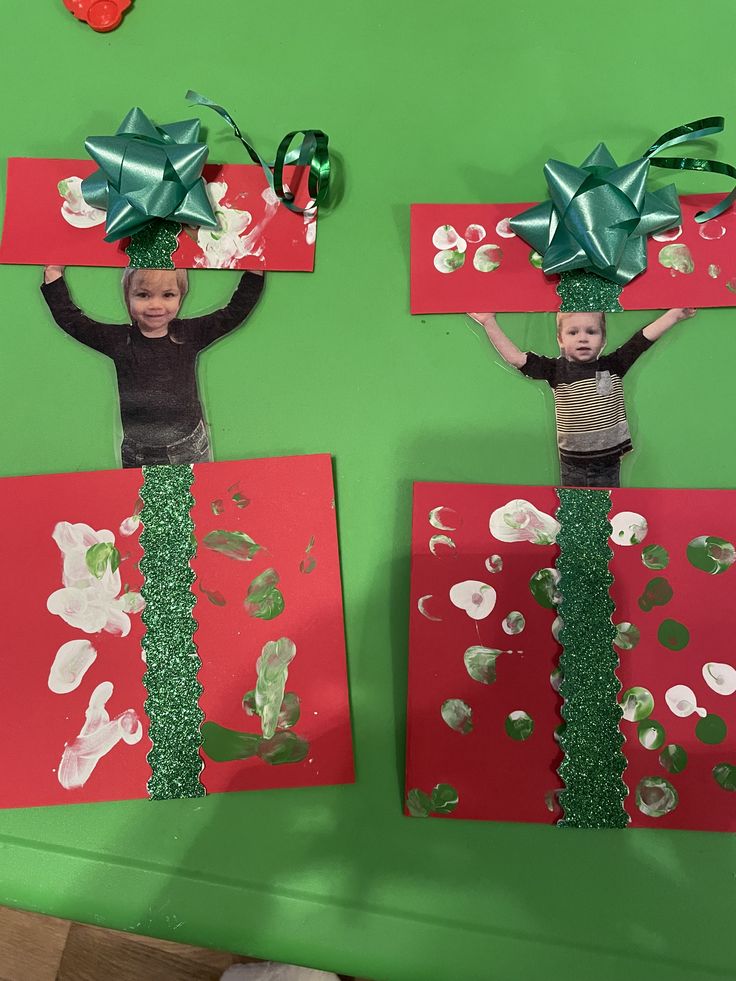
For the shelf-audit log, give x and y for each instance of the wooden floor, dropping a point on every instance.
(41, 948)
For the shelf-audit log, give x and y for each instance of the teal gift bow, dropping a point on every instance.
(148, 172)
(599, 214)
(312, 153)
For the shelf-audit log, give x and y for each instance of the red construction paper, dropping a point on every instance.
(517, 286)
(35, 233)
(291, 504)
(704, 604)
(37, 722)
(290, 501)
(498, 778)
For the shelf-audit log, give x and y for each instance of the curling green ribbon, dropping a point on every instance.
(599, 214)
(148, 172)
(591, 738)
(172, 662)
(312, 153)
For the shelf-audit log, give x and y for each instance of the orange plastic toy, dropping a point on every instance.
(101, 15)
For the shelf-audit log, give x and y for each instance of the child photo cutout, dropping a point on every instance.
(590, 409)
(155, 357)
(156, 207)
(602, 243)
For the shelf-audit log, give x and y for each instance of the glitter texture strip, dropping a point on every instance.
(172, 661)
(591, 739)
(585, 292)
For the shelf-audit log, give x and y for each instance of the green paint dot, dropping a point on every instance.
(480, 663)
(514, 623)
(656, 796)
(558, 733)
(519, 725)
(418, 804)
(724, 775)
(655, 557)
(711, 730)
(637, 704)
(673, 635)
(543, 587)
(627, 636)
(711, 554)
(555, 679)
(444, 799)
(457, 715)
(657, 592)
(673, 758)
(651, 734)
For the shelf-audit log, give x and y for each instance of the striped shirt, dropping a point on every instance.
(589, 400)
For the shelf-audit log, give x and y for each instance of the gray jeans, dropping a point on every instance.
(194, 448)
(591, 473)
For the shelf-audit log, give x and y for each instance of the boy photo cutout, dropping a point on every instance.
(603, 242)
(590, 411)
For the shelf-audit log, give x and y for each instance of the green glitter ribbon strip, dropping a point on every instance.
(312, 153)
(153, 246)
(172, 661)
(591, 740)
(583, 292)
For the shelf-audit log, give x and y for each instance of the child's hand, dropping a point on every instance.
(683, 313)
(52, 273)
(482, 318)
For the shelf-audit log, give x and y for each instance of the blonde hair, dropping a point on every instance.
(182, 281)
(601, 320)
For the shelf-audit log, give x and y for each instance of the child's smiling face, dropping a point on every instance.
(581, 337)
(154, 300)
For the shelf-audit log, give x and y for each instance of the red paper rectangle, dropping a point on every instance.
(35, 231)
(38, 723)
(290, 502)
(703, 604)
(499, 778)
(517, 286)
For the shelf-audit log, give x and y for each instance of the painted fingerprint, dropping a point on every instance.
(98, 736)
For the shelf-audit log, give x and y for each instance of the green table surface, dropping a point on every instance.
(423, 101)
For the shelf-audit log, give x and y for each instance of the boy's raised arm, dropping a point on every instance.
(505, 347)
(662, 324)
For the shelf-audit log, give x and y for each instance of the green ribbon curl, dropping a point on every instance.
(148, 172)
(599, 214)
(312, 152)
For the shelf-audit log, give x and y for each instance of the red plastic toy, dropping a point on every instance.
(101, 15)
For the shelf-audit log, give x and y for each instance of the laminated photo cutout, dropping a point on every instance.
(590, 409)
(154, 207)
(602, 243)
(155, 356)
